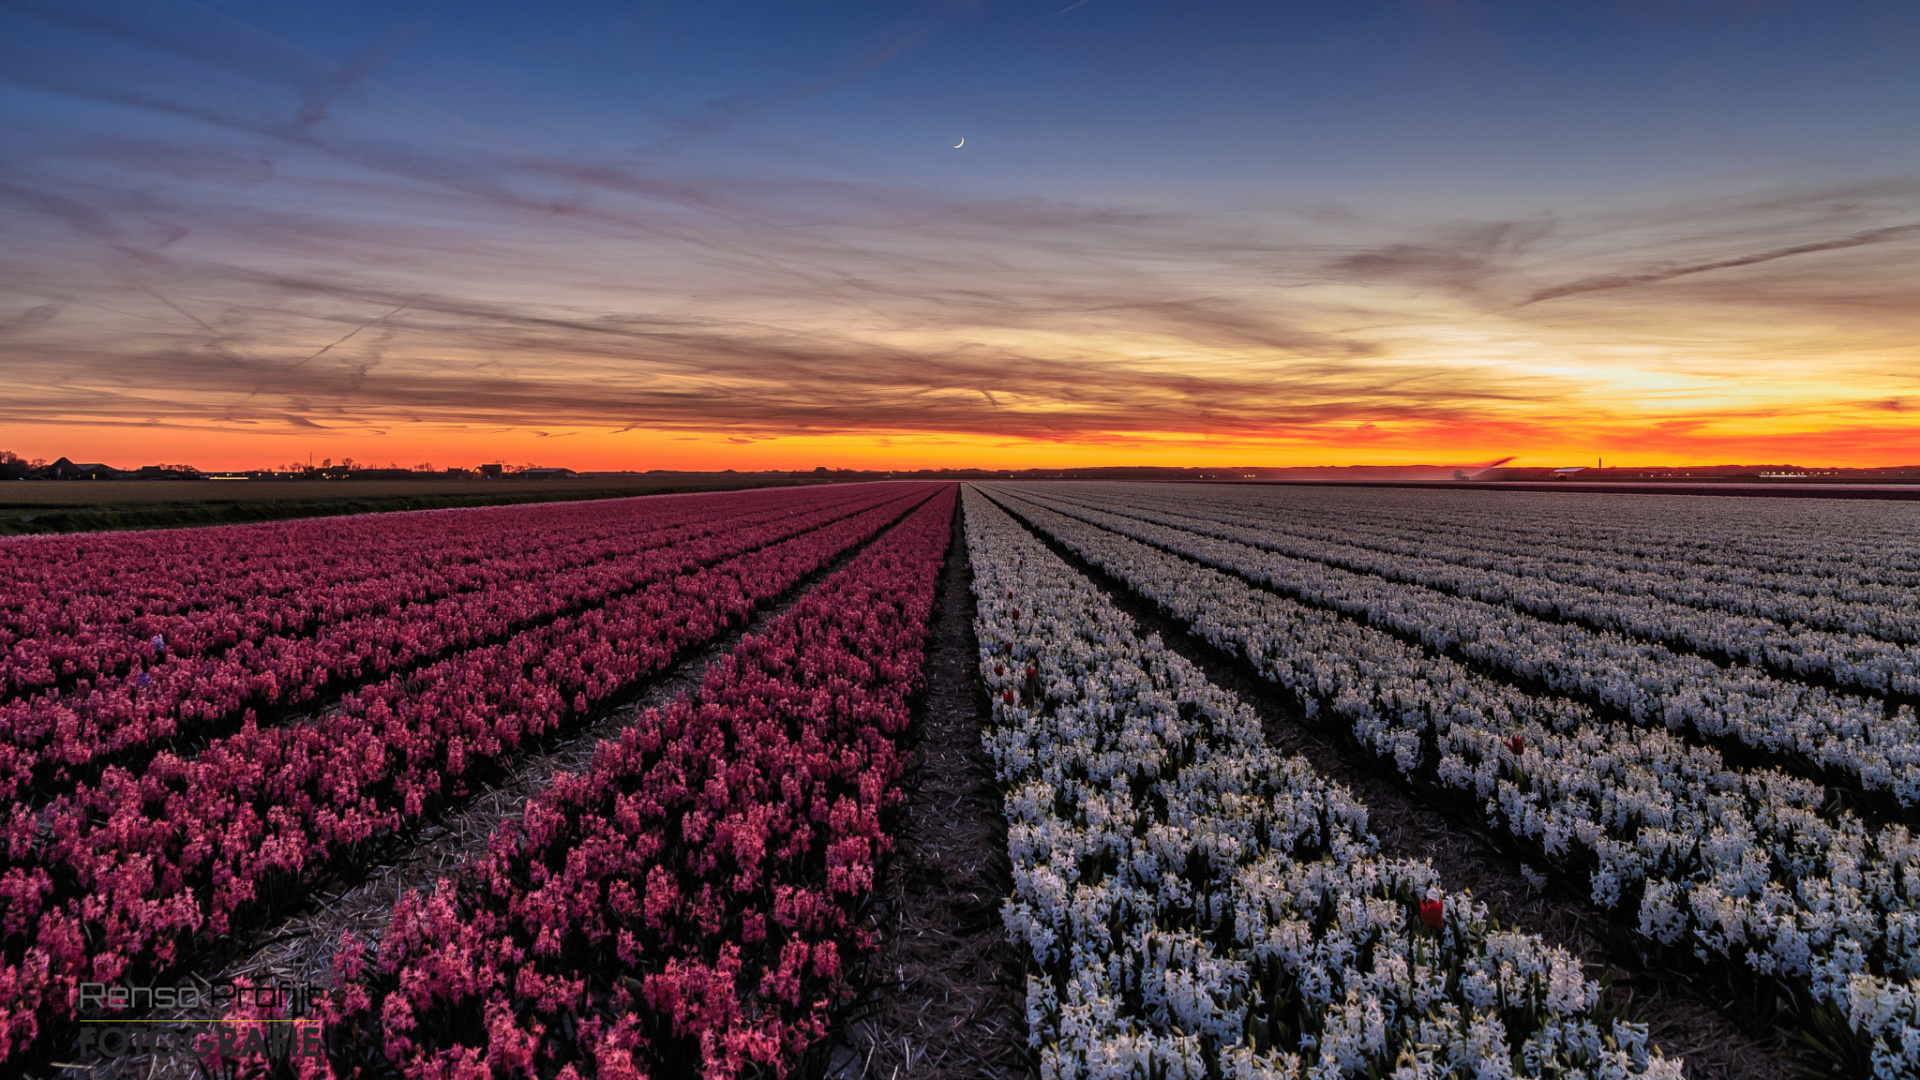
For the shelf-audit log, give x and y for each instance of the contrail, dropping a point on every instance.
(323, 349)
(1621, 281)
(190, 315)
(355, 330)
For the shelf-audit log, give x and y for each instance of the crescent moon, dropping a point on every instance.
(961, 143)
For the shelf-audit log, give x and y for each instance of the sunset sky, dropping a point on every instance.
(738, 235)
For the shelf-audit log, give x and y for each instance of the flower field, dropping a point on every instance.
(688, 906)
(1696, 727)
(124, 871)
(1194, 904)
(1596, 756)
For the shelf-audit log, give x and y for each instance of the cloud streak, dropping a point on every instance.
(1605, 282)
(703, 375)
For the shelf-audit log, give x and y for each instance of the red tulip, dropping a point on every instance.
(1516, 744)
(1433, 913)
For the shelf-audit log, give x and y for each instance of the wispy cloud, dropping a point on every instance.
(724, 113)
(1463, 257)
(1604, 282)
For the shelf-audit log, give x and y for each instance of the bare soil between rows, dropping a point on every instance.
(944, 994)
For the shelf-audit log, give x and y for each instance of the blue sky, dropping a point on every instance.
(1544, 100)
(737, 233)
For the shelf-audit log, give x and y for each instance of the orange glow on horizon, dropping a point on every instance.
(1699, 441)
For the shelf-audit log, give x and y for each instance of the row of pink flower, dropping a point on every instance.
(46, 741)
(89, 607)
(689, 906)
(287, 577)
(123, 878)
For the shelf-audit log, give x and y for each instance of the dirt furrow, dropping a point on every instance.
(944, 994)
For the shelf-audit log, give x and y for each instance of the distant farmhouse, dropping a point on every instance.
(65, 469)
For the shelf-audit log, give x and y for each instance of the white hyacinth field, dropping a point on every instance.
(1693, 716)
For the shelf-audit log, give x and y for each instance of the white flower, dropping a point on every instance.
(1177, 881)
(1746, 865)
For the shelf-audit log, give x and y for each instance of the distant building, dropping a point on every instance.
(544, 474)
(67, 470)
(492, 472)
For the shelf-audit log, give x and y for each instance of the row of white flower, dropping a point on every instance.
(1742, 868)
(1849, 585)
(1866, 551)
(1195, 904)
(1677, 560)
(1846, 736)
(1602, 600)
